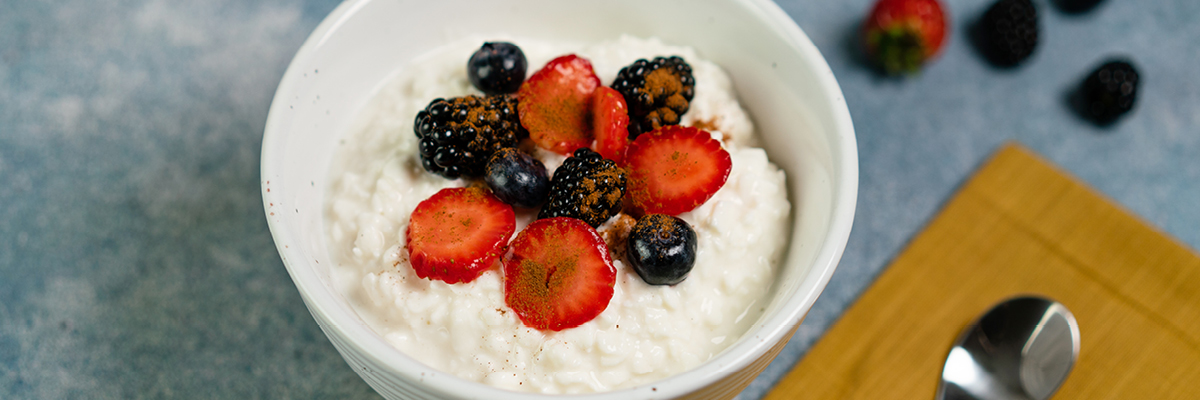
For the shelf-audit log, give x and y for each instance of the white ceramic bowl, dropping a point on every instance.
(780, 77)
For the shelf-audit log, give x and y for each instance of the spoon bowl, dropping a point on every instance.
(1021, 349)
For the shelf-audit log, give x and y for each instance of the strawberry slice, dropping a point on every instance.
(674, 169)
(555, 104)
(610, 123)
(559, 274)
(458, 233)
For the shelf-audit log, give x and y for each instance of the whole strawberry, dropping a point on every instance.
(902, 35)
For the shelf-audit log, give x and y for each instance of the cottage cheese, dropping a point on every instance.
(646, 333)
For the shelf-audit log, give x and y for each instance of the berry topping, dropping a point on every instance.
(459, 135)
(662, 249)
(586, 186)
(556, 103)
(1008, 32)
(901, 35)
(658, 92)
(517, 178)
(674, 169)
(610, 123)
(559, 274)
(1109, 92)
(458, 233)
(497, 68)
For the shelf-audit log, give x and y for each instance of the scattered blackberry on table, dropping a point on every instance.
(662, 249)
(1109, 92)
(517, 178)
(459, 135)
(586, 186)
(1008, 32)
(1076, 6)
(658, 92)
(497, 68)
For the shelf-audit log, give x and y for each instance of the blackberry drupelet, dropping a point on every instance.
(658, 92)
(1008, 32)
(459, 135)
(586, 186)
(1110, 91)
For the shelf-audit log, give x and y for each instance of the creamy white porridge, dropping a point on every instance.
(646, 333)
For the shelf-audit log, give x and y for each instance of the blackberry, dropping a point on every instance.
(662, 249)
(1076, 6)
(658, 92)
(586, 186)
(1008, 32)
(1109, 92)
(459, 135)
(497, 68)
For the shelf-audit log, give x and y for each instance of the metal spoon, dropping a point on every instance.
(1021, 349)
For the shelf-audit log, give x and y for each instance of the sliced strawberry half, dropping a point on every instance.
(555, 104)
(610, 123)
(674, 169)
(458, 233)
(559, 274)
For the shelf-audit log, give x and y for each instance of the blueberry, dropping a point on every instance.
(497, 68)
(517, 178)
(662, 249)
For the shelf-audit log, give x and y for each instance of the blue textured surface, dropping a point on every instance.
(135, 259)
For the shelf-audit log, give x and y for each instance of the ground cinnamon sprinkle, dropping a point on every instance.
(659, 83)
(663, 81)
(479, 117)
(655, 225)
(617, 233)
(596, 204)
(535, 287)
(706, 125)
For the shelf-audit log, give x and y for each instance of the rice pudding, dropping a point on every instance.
(646, 333)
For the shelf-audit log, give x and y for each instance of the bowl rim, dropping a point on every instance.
(323, 303)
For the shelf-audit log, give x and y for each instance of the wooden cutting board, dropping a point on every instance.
(1020, 226)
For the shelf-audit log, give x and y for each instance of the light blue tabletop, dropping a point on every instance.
(135, 260)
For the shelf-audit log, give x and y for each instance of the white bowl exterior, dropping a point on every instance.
(780, 77)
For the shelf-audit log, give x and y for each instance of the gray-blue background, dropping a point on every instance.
(135, 260)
